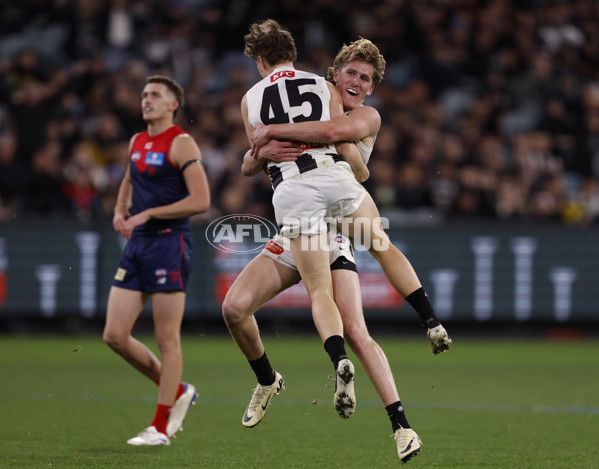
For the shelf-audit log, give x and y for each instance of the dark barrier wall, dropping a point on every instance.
(478, 274)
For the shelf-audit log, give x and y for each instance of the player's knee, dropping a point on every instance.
(356, 336)
(234, 309)
(114, 340)
(168, 343)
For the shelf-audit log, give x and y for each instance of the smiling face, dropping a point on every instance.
(157, 102)
(354, 82)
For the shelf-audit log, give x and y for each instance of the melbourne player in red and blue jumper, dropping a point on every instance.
(164, 185)
(159, 256)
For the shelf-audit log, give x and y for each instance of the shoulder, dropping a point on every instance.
(183, 139)
(256, 87)
(365, 112)
(184, 146)
(182, 136)
(304, 74)
(133, 139)
(173, 134)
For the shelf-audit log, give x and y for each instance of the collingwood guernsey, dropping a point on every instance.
(286, 96)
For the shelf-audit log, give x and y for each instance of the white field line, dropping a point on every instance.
(282, 401)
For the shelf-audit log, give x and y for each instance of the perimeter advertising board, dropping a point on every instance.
(473, 274)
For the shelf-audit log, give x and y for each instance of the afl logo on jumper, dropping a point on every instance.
(155, 159)
(135, 156)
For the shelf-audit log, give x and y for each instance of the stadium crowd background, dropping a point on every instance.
(490, 109)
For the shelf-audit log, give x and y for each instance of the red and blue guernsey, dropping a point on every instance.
(156, 179)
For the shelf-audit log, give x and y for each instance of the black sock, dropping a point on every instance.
(335, 347)
(263, 370)
(397, 416)
(419, 301)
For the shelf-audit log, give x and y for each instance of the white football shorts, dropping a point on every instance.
(312, 202)
(341, 252)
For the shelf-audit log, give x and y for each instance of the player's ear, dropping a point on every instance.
(336, 76)
(370, 90)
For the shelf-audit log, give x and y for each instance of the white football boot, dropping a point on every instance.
(260, 401)
(408, 443)
(439, 339)
(345, 397)
(180, 409)
(149, 437)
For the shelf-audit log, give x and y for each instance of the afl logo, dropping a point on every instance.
(135, 156)
(240, 233)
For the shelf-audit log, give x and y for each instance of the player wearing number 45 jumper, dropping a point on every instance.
(320, 185)
(164, 184)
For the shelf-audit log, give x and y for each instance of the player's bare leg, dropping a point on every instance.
(260, 281)
(124, 307)
(168, 314)
(312, 259)
(168, 309)
(365, 226)
(374, 361)
(311, 256)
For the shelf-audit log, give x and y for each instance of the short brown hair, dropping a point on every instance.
(172, 86)
(362, 50)
(271, 41)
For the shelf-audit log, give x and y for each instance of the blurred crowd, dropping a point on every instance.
(490, 108)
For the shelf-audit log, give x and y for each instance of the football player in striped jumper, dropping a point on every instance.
(357, 69)
(164, 185)
(317, 187)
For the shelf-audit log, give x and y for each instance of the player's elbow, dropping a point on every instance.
(362, 174)
(204, 205)
(201, 204)
(250, 170)
(331, 134)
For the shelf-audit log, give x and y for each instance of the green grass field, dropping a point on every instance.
(70, 402)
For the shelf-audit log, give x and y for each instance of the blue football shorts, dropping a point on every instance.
(155, 262)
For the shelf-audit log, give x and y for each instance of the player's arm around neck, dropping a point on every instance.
(361, 122)
(349, 151)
